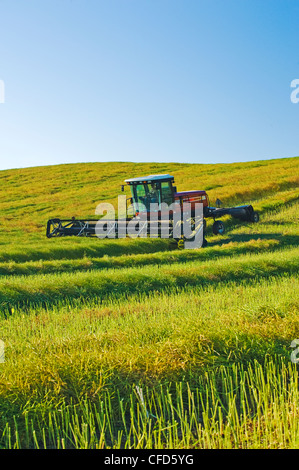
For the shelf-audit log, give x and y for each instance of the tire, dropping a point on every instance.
(255, 217)
(218, 227)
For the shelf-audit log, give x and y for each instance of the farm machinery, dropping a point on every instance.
(154, 191)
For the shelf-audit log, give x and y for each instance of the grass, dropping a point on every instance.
(135, 344)
(75, 363)
(112, 283)
(230, 408)
(105, 262)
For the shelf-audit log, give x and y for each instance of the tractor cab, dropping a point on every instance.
(159, 189)
(152, 189)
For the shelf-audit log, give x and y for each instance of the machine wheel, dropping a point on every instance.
(218, 227)
(255, 217)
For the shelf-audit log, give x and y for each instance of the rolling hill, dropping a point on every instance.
(135, 344)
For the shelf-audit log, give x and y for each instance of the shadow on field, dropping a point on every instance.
(289, 240)
(225, 352)
(100, 286)
(217, 248)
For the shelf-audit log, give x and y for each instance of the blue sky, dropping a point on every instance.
(200, 81)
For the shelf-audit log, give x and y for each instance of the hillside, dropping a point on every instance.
(136, 344)
(29, 197)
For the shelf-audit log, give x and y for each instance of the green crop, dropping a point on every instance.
(136, 344)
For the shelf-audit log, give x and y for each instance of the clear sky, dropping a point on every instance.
(201, 81)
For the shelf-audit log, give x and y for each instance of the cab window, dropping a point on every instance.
(166, 192)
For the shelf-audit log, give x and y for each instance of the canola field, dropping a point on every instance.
(135, 344)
